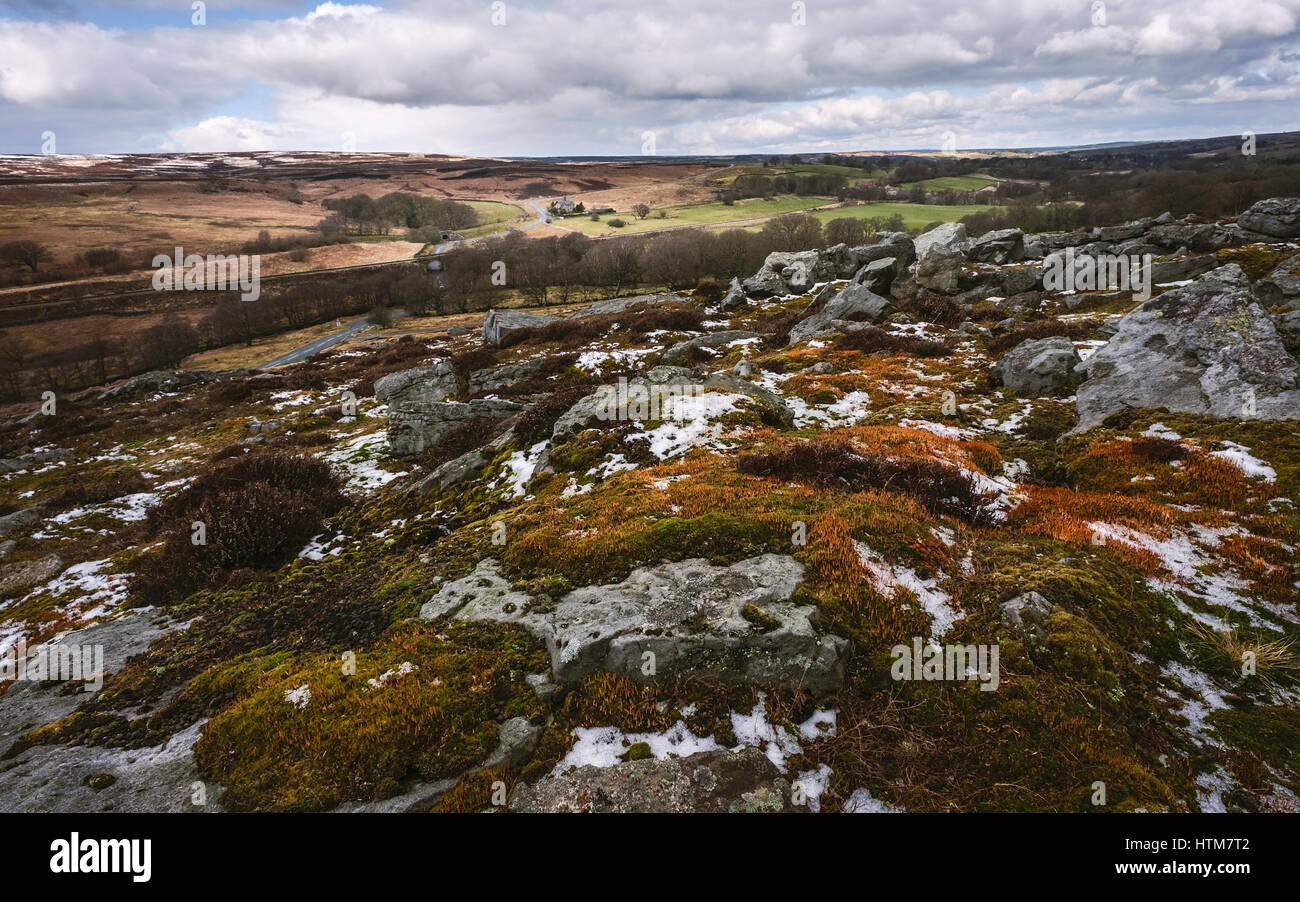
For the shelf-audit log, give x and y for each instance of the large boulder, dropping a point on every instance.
(998, 246)
(1039, 366)
(422, 409)
(20, 522)
(856, 303)
(621, 305)
(1206, 348)
(500, 323)
(1277, 217)
(717, 781)
(735, 623)
(940, 254)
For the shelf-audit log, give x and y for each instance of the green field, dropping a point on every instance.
(915, 216)
(710, 214)
(955, 183)
(493, 216)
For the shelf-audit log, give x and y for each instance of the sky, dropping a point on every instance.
(622, 77)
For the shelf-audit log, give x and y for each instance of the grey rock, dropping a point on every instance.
(517, 738)
(1277, 217)
(998, 246)
(154, 382)
(735, 296)
(157, 779)
(20, 522)
(498, 377)
(1164, 271)
(1039, 366)
(1205, 348)
(453, 472)
(1125, 232)
(856, 303)
(681, 352)
(940, 254)
(1186, 234)
(898, 245)
(1281, 284)
(1025, 300)
(1026, 615)
(28, 705)
(786, 272)
(691, 615)
(621, 305)
(716, 781)
(421, 385)
(413, 428)
(18, 578)
(744, 368)
(7, 548)
(33, 459)
(877, 275)
(499, 323)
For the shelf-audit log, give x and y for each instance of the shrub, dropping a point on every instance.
(258, 511)
(935, 308)
(617, 223)
(872, 339)
(939, 487)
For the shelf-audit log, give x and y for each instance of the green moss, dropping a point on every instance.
(354, 740)
(639, 751)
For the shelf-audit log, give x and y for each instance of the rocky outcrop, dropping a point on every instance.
(737, 623)
(898, 245)
(998, 246)
(940, 254)
(421, 408)
(789, 273)
(1277, 217)
(1039, 366)
(713, 782)
(856, 303)
(1206, 348)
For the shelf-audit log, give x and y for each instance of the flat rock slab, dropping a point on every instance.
(735, 622)
(716, 782)
(59, 778)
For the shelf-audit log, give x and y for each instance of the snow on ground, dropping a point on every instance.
(358, 459)
(813, 783)
(887, 578)
(88, 589)
(862, 802)
(1200, 698)
(594, 362)
(1244, 461)
(1191, 565)
(519, 469)
(605, 746)
(686, 422)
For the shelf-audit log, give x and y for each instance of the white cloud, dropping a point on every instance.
(588, 76)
